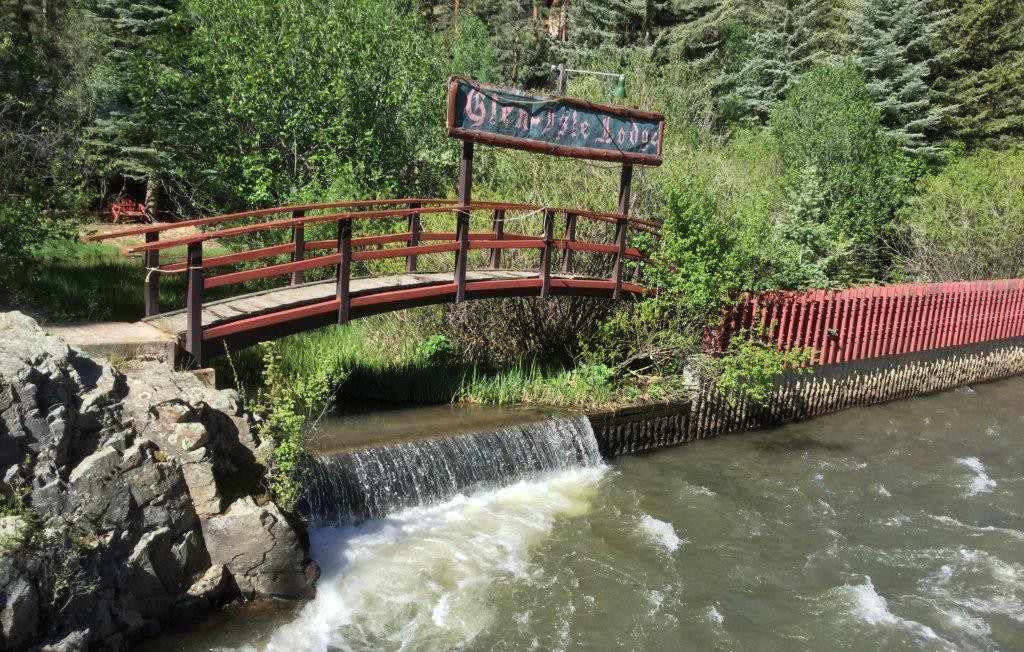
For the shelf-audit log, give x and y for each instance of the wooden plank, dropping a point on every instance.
(570, 238)
(414, 238)
(343, 296)
(298, 246)
(194, 303)
(151, 285)
(262, 212)
(545, 264)
(499, 234)
(465, 196)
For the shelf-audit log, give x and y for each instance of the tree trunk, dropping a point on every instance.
(152, 199)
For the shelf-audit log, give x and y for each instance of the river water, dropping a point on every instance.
(896, 527)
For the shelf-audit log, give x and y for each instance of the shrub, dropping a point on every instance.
(749, 365)
(829, 123)
(967, 222)
(288, 408)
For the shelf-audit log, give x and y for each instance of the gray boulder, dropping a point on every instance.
(19, 607)
(261, 551)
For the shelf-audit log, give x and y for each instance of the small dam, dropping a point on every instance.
(351, 486)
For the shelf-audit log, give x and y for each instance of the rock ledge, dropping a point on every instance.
(144, 495)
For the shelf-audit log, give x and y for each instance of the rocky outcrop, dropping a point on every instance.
(140, 499)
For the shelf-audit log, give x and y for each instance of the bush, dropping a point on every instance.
(967, 222)
(828, 126)
(750, 364)
(287, 409)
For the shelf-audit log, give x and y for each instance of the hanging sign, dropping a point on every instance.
(519, 119)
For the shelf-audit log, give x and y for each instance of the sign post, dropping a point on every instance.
(549, 124)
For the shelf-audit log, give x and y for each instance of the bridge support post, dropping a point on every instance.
(621, 227)
(570, 236)
(545, 256)
(465, 197)
(151, 261)
(414, 237)
(344, 269)
(194, 302)
(298, 245)
(499, 234)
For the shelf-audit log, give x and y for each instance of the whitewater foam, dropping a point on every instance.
(871, 607)
(661, 532)
(981, 483)
(714, 616)
(420, 578)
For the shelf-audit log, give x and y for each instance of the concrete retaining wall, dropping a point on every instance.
(827, 388)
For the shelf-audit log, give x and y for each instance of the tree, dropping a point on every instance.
(967, 221)
(317, 100)
(521, 37)
(893, 41)
(829, 121)
(787, 36)
(981, 80)
(44, 58)
(611, 29)
(132, 138)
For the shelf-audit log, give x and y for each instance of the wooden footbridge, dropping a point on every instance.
(395, 233)
(393, 229)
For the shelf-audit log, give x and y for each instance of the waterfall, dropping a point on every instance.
(351, 486)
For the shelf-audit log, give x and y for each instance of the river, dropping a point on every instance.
(895, 527)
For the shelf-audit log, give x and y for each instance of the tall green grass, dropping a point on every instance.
(382, 363)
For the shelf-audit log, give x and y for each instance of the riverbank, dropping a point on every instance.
(131, 498)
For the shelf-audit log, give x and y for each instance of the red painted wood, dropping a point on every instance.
(307, 264)
(900, 335)
(875, 321)
(403, 252)
(506, 244)
(263, 212)
(822, 340)
(885, 313)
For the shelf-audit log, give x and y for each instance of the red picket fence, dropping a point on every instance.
(868, 322)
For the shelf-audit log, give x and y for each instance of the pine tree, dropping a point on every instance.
(893, 43)
(519, 31)
(981, 79)
(701, 30)
(614, 28)
(131, 140)
(783, 45)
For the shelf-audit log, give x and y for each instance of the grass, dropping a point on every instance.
(385, 359)
(75, 281)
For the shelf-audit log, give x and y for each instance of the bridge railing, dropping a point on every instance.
(342, 250)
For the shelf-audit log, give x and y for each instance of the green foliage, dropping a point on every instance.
(133, 136)
(436, 349)
(472, 49)
(967, 222)
(829, 121)
(520, 42)
(894, 43)
(288, 409)
(788, 36)
(587, 385)
(982, 71)
(16, 505)
(750, 364)
(298, 97)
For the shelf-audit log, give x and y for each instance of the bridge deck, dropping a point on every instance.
(269, 301)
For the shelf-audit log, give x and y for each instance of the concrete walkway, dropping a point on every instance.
(118, 340)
